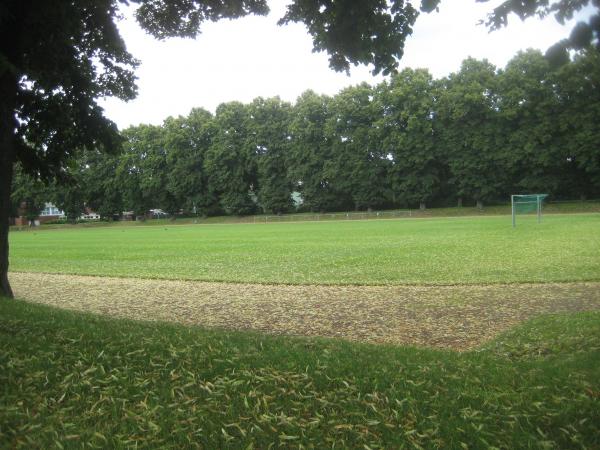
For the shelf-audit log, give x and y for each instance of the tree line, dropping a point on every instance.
(475, 136)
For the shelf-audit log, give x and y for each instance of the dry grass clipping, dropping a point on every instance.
(456, 317)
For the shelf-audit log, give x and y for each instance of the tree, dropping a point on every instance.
(58, 58)
(407, 133)
(269, 131)
(102, 191)
(577, 88)
(187, 140)
(28, 194)
(583, 34)
(357, 165)
(48, 86)
(230, 161)
(140, 173)
(528, 108)
(148, 144)
(309, 149)
(469, 133)
(69, 197)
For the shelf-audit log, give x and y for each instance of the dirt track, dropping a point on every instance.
(458, 317)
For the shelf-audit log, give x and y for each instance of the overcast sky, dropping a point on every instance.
(251, 57)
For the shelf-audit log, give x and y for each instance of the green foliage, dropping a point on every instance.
(72, 380)
(578, 86)
(583, 34)
(101, 186)
(528, 111)
(54, 83)
(164, 19)
(141, 159)
(406, 128)
(431, 251)
(29, 193)
(480, 134)
(357, 164)
(309, 150)
(230, 162)
(269, 130)
(470, 134)
(187, 139)
(69, 198)
(365, 32)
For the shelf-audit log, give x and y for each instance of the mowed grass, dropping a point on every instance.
(70, 380)
(420, 251)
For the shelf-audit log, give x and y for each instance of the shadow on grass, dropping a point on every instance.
(71, 379)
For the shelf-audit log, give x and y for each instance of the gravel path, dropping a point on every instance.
(457, 317)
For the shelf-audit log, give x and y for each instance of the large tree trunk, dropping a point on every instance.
(5, 180)
(8, 88)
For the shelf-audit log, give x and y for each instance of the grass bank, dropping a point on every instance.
(69, 380)
(428, 251)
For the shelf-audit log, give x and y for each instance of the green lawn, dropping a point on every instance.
(437, 251)
(71, 380)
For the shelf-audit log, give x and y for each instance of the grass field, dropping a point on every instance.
(71, 380)
(419, 251)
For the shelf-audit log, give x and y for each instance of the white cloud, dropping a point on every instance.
(251, 57)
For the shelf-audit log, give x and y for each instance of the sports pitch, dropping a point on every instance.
(448, 283)
(440, 251)
(100, 380)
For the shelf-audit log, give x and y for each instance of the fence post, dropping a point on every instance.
(512, 210)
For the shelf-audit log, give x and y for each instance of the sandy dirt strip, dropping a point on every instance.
(457, 317)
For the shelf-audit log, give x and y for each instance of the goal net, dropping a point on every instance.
(527, 204)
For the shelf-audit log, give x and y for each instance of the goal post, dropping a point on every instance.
(527, 204)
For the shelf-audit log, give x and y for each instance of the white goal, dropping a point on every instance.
(527, 204)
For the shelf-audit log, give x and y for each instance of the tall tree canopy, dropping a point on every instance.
(356, 165)
(469, 131)
(229, 161)
(407, 135)
(310, 148)
(270, 138)
(187, 140)
(477, 135)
